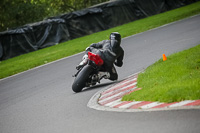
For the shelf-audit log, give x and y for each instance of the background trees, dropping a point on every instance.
(14, 13)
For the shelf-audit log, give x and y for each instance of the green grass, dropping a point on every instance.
(27, 61)
(173, 80)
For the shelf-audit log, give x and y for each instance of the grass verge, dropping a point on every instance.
(27, 61)
(173, 80)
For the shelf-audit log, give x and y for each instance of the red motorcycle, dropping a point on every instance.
(88, 75)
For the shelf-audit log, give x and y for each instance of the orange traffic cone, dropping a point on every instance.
(164, 57)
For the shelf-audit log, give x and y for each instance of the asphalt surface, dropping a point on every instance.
(42, 101)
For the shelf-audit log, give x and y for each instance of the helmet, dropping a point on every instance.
(115, 36)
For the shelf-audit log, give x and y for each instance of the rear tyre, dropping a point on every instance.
(81, 79)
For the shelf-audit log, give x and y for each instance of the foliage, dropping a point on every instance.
(27, 61)
(19, 12)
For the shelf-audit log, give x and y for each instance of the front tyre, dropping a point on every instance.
(81, 78)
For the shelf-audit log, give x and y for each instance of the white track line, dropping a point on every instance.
(118, 84)
(181, 103)
(118, 94)
(129, 104)
(151, 105)
(109, 93)
(112, 104)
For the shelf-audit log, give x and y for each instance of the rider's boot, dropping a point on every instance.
(105, 75)
(83, 62)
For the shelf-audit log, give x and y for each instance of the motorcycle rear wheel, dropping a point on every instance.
(81, 79)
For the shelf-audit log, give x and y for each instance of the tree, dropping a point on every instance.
(19, 12)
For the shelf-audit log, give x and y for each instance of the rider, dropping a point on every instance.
(110, 51)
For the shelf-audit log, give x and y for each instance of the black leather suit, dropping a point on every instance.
(111, 52)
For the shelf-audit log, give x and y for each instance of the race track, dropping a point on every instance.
(41, 100)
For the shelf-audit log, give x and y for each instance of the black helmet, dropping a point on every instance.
(115, 36)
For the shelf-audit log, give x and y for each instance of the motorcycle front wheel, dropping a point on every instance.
(81, 78)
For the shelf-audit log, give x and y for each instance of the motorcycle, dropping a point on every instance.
(88, 75)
